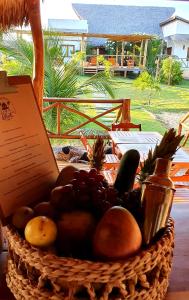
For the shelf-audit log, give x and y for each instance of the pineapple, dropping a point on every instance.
(97, 156)
(166, 149)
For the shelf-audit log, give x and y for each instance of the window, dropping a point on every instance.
(169, 50)
(68, 50)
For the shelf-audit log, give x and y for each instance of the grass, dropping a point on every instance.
(170, 99)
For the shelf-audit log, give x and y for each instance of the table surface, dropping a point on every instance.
(135, 137)
(143, 149)
(179, 279)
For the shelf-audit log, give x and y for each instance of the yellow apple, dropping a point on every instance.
(41, 231)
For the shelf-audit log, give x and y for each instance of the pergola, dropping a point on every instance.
(132, 38)
(15, 13)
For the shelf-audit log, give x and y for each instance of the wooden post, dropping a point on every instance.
(141, 52)
(58, 113)
(134, 52)
(157, 67)
(37, 34)
(126, 116)
(145, 52)
(82, 44)
(170, 71)
(117, 54)
(122, 53)
(97, 54)
(82, 50)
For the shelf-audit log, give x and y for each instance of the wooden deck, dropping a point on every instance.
(114, 69)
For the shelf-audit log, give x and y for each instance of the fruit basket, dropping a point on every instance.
(91, 240)
(35, 274)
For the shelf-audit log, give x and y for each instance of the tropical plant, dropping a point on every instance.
(145, 81)
(171, 72)
(154, 50)
(61, 78)
(111, 47)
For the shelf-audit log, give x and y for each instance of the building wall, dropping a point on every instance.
(182, 27)
(179, 48)
(169, 29)
(69, 43)
(176, 34)
(68, 25)
(175, 27)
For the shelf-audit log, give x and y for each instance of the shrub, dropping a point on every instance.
(171, 72)
(147, 82)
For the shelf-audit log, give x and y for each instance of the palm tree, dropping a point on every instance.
(61, 78)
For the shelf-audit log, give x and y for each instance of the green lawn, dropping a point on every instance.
(170, 99)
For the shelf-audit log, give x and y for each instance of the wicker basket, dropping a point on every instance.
(35, 274)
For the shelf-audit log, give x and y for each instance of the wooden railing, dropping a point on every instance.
(121, 106)
(184, 128)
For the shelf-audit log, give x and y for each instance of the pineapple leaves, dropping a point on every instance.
(166, 149)
(97, 157)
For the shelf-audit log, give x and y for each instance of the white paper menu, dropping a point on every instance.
(27, 165)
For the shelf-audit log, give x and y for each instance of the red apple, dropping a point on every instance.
(75, 230)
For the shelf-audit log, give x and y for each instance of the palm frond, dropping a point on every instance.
(20, 50)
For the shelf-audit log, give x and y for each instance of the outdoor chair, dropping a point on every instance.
(126, 126)
(130, 63)
(111, 160)
(123, 127)
(93, 61)
(113, 61)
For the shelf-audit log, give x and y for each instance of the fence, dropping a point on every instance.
(121, 106)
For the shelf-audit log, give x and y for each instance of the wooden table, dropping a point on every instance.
(180, 157)
(179, 279)
(144, 141)
(135, 137)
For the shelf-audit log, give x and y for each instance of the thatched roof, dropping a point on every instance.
(123, 19)
(13, 13)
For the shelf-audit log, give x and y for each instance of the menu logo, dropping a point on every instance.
(7, 110)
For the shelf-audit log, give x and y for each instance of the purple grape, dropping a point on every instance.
(83, 175)
(92, 173)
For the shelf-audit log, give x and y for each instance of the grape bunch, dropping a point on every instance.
(132, 202)
(86, 191)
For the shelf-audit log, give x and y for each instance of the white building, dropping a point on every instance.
(64, 19)
(176, 34)
(69, 44)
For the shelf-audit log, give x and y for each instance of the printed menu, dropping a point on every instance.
(28, 169)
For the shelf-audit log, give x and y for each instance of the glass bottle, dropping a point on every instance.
(157, 197)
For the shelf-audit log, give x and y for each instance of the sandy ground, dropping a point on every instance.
(170, 120)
